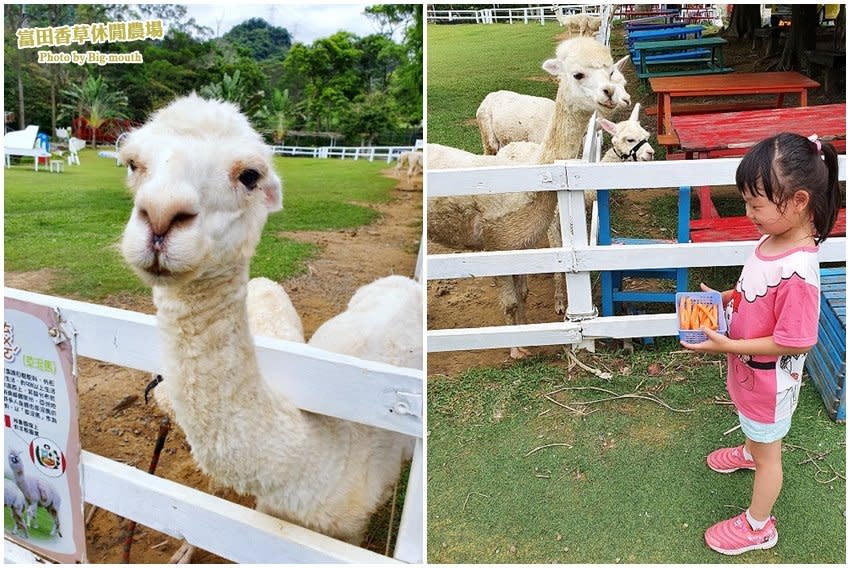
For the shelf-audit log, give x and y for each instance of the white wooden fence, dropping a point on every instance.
(345, 387)
(531, 14)
(580, 255)
(388, 153)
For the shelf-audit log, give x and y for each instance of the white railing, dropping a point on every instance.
(345, 387)
(531, 14)
(388, 153)
(578, 257)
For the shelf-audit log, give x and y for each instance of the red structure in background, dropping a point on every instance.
(108, 132)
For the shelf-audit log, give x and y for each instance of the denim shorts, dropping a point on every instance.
(764, 433)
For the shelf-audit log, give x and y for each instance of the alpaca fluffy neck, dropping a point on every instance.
(212, 376)
(563, 137)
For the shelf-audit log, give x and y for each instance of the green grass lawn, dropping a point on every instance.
(467, 62)
(632, 484)
(41, 533)
(71, 222)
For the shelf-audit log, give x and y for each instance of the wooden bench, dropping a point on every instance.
(667, 32)
(635, 25)
(832, 62)
(826, 363)
(707, 108)
(712, 64)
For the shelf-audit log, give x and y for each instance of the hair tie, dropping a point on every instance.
(814, 139)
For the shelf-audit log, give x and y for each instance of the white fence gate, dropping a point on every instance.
(495, 14)
(345, 387)
(580, 255)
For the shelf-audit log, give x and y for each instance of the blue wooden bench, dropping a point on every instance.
(613, 294)
(659, 34)
(827, 361)
(635, 25)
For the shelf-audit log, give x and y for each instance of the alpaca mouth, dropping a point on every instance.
(156, 269)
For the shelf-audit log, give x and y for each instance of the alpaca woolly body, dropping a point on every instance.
(196, 221)
(271, 313)
(17, 503)
(383, 322)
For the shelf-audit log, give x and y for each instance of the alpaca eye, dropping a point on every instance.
(630, 140)
(578, 76)
(249, 178)
(132, 165)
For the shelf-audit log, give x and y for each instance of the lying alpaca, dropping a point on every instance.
(37, 492)
(203, 185)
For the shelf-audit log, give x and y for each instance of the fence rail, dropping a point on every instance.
(371, 153)
(345, 387)
(531, 14)
(578, 257)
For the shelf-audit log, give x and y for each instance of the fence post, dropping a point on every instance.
(571, 206)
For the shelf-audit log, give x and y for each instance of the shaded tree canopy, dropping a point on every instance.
(261, 39)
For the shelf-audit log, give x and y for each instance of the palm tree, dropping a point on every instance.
(93, 100)
(277, 116)
(233, 89)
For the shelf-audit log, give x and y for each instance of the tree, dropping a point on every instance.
(745, 20)
(231, 88)
(801, 37)
(261, 39)
(370, 115)
(277, 116)
(93, 100)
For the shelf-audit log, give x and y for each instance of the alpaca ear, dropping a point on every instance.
(606, 125)
(621, 62)
(272, 192)
(635, 113)
(552, 66)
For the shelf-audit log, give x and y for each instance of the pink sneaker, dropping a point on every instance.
(727, 460)
(735, 536)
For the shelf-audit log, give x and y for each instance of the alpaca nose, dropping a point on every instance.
(609, 92)
(163, 221)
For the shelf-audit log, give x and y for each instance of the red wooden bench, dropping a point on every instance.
(731, 135)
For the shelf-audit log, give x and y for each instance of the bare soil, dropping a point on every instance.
(348, 260)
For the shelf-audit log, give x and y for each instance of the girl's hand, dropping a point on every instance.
(724, 296)
(714, 343)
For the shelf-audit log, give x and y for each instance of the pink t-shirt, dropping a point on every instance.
(779, 296)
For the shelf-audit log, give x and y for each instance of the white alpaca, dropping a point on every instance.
(203, 184)
(505, 116)
(381, 323)
(518, 220)
(17, 503)
(582, 24)
(411, 161)
(37, 492)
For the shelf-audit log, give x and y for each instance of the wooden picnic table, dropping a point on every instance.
(731, 134)
(666, 32)
(733, 84)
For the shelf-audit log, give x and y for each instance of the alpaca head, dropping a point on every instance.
(629, 139)
(589, 79)
(203, 184)
(15, 462)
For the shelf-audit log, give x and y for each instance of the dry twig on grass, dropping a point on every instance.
(468, 495)
(538, 448)
(615, 396)
(813, 457)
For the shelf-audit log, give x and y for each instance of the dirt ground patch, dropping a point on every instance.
(348, 260)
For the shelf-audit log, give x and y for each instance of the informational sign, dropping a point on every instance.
(43, 498)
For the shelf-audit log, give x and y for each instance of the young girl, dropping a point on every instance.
(790, 188)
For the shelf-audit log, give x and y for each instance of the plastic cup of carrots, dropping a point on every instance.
(698, 310)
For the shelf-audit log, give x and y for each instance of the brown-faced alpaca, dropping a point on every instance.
(519, 220)
(203, 185)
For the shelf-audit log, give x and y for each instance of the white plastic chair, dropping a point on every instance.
(74, 146)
